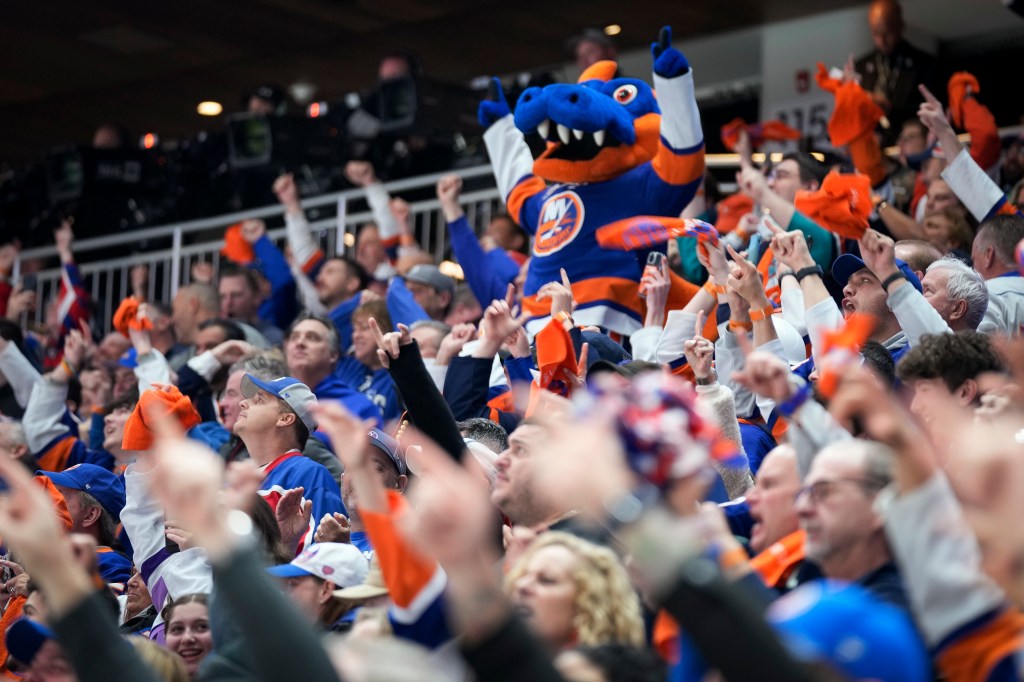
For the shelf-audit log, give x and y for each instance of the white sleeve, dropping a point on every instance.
(729, 358)
(510, 156)
(308, 296)
(677, 331)
(19, 372)
(437, 372)
(793, 309)
(811, 428)
(205, 365)
(380, 201)
(934, 545)
(645, 343)
(43, 413)
(167, 575)
(972, 185)
(821, 317)
(152, 369)
(680, 118)
(300, 238)
(915, 314)
(718, 400)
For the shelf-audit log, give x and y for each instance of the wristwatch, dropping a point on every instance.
(708, 380)
(808, 271)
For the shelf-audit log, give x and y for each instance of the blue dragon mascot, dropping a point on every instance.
(615, 148)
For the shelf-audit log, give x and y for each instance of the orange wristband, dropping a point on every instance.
(762, 314)
(737, 556)
(715, 289)
(745, 326)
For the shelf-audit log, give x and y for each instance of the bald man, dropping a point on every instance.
(892, 71)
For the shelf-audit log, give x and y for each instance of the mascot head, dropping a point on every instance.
(595, 130)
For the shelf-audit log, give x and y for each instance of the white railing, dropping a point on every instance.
(108, 280)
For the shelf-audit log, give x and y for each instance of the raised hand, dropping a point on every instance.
(498, 325)
(389, 345)
(656, 283)
(334, 528)
(752, 182)
(699, 351)
(292, 515)
(453, 344)
(668, 61)
(790, 249)
(287, 193)
(202, 272)
(140, 281)
(360, 173)
(933, 116)
(879, 254)
(449, 187)
(174, 532)
(560, 293)
(765, 375)
(20, 302)
(63, 237)
(230, 352)
(253, 230)
(495, 107)
(745, 280)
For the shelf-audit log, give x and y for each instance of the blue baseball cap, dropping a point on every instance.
(103, 485)
(391, 448)
(130, 359)
(844, 625)
(297, 394)
(25, 638)
(340, 563)
(847, 264)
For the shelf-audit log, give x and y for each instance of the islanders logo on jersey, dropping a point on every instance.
(561, 218)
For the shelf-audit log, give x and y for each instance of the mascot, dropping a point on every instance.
(615, 149)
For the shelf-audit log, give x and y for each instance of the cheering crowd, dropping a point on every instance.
(358, 467)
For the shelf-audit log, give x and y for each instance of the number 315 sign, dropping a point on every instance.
(809, 115)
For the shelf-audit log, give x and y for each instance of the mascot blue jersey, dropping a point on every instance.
(612, 157)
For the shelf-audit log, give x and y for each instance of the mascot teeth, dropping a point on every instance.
(578, 134)
(599, 138)
(563, 133)
(544, 128)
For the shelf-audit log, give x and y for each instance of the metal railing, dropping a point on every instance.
(108, 279)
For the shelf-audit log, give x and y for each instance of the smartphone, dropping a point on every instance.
(29, 282)
(654, 261)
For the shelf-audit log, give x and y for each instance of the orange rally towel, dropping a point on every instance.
(555, 355)
(126, 317)
(855, 113)
(235, 247)
(155, 404)
(840, 348)
(959, 82)
(60, 505)
(730, 210)
(757, 132)
(842, 205)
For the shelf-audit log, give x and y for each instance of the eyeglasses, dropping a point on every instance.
(819, 491)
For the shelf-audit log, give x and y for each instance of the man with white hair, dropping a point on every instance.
(953, 296)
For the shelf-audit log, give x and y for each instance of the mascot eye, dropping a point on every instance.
(625, 94)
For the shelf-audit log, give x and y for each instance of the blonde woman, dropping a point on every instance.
(168, 665)
(572, 592)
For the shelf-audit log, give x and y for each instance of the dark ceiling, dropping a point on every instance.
(69, 65)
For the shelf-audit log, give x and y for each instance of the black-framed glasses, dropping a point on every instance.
(819, 491)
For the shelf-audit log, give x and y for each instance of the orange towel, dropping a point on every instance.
(730, 210)
(757, 132)
(126, 317)
(236, 248)
(155, 404)
(855, 113)
(957, 87)
(842, 205)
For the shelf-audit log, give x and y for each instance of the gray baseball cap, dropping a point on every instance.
(432, 276)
